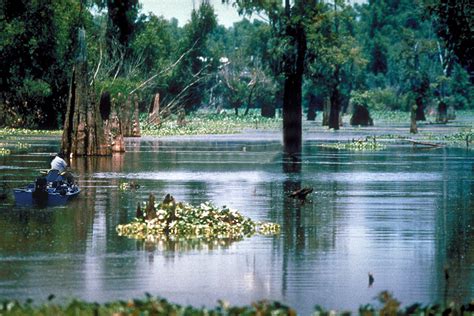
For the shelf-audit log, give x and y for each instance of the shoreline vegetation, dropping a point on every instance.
(387, 305)
(389, 127)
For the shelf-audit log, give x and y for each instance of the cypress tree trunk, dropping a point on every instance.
(442, 116)
(326, 110)
(420, 111)
(334, 112)
(335, 102)
(83, 132)
(292, 121)
(154, 115)
(294, 68)
(136, 118)
(413, 127)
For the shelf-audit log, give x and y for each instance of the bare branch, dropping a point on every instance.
(165, 70)
(98, 65)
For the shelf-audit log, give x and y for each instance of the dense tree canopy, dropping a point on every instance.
(391, 53)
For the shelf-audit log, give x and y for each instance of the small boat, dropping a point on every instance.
(49, 190)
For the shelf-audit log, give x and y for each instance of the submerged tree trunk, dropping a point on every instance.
(136, 132)
(292, 121)
(154, 116)
(442, 116)
(327, 109)
(335, 102)
(83, 132)
(335, 108)
(129, 119)
(413, 128)
(420, 111)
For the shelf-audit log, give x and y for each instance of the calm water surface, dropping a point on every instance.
(403, 214)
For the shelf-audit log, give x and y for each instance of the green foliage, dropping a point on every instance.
(10, 132)
(394, 50)
(390, 117)
(377, 99)
(406, 56)
(336, 57)
(35, 48)
(155, 45)
(171, 220)
(454, 23)
(188, 78)
(4, 151)
(122, 86)
(159, 306)
(205, 123)
(148, 306)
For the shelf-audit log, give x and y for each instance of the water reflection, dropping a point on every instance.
(401, 214)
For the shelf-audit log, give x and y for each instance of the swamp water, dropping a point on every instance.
(402, 214)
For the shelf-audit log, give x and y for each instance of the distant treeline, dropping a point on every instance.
(385, 55)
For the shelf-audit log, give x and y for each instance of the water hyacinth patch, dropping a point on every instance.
(208, 123)
(171, 220)
(369, 143)
(4, 151)
(22, 146)
(159, 306)
(10, 131)
(128, 186)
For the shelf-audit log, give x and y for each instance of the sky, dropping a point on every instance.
(181, 10)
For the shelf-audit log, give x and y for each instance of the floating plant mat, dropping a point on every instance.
(369, 144)
(171, 220)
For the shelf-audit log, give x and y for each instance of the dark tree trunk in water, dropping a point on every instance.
(267, 110)
(334, 112)
(413, 127)
(361, 117)
(327, 109)
(294, 68)
(292, 128)
(83, 132)
(312, 105)
(335, 103)
(442, 116)
(420, 111)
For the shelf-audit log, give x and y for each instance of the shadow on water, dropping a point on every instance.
(291, 225)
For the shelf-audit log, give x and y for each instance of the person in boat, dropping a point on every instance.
(58, 163)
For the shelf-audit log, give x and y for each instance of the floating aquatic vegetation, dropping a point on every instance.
(160, 306)
(4, 151)
(9, 131)
(171, 220)
(369, 144)
(128, 186)
(464, 137)
(204, 123)
(21, 145)
(148, 306)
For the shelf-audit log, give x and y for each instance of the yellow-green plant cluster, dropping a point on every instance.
(367, 144)
(177, 220)
(21, 145)
(4, 151)
(10, 131)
